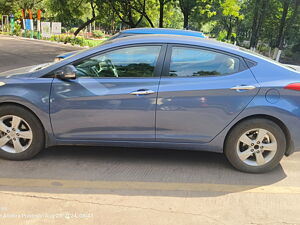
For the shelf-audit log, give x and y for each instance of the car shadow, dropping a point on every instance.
(129, 171)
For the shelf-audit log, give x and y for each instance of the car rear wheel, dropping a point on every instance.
(21, 133)
(255, 145)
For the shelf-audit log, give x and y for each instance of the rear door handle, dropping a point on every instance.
(142, 92)
(243, 87)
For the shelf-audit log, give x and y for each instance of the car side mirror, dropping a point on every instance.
(66, 73)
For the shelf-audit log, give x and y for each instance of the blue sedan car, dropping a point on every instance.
(141, 31)
(155, 91)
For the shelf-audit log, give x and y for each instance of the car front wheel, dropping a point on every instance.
(255, 145)
(21, 133)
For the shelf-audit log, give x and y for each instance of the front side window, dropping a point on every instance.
(137, 61)
(193, 62)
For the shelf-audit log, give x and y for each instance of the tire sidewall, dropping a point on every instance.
(37, 142)
(241, 128)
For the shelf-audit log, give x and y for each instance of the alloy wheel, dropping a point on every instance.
(15, 134)
(256, 147)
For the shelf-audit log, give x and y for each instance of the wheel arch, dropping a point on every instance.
(46, 134)
(289, 143)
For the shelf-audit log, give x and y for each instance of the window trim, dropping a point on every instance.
(157, 70)
(167, 64)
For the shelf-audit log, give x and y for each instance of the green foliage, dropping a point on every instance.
(67, 39)
(17, 31)
(296, 48)
(77, 41)
(231, 8)
(98, 34)
(73, 29)
(203, 12)
(222, 35)
(92, 43)
(70, 12)
(261, 21)
(4, 33)
(64, 30)
(81, 41)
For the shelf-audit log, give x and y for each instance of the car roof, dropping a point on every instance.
(153, 39)
(171, 39)
(176, 39)
(161, 39)
(164, 31)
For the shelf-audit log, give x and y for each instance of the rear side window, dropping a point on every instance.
(193, 62)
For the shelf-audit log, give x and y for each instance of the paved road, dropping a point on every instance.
(14, 54)
(95, 185)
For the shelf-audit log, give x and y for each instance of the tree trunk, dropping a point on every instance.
(89, 21)
(144, 13)
(185, 20)
(229, 30)
(280, 39)
(161, 14)
(292, 19)
(282, 24)
(253, 38)
(82, 26)
(261, 19)
(126, 19)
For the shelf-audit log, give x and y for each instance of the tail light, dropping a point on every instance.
(293, 86)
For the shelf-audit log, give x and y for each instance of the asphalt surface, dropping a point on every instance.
(97, 185)
(15, 54)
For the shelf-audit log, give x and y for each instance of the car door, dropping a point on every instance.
(201, 91)
(113, 97)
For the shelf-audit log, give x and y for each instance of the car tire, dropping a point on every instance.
(255, 145)
(21, 133)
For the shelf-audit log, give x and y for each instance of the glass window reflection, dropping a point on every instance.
(191, 62)
(126, 62)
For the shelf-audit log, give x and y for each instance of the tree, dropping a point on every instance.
(286, 4)
(293, 26)
(186, 7)
(172, 17)
(140, 7)
(7, 7)
(231, 15)
(260, 24)
(203, 13)
(283, 25)
(70, 12)
(130, 12)
(89, 21)
(107, 18)
(14, 6)
(28, 4)
(162, 4)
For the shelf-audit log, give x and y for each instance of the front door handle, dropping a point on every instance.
(142, 92)
(243, 87)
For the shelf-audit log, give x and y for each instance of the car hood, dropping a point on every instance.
(24, 70)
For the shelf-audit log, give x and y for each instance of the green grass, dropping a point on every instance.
(91, 43)
(69, 39)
